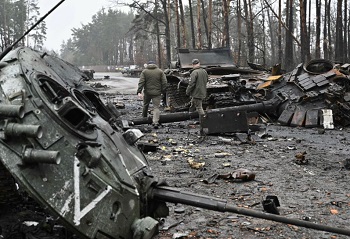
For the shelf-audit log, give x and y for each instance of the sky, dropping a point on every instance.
(68, 15)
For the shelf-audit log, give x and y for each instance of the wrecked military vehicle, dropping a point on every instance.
(66, 149)
(224, 78)
(312, 95)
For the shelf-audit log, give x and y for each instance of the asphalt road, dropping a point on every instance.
(116, 80)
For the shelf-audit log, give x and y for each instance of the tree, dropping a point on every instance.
(289, 42)
(38, 35)
(16, 18)
(305, 47)
(339, 33)
(318, 29)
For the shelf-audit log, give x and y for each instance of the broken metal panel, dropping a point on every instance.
(213, 57)
(295, 73)
(225, 122)
(327, 119)
(298, 117)
(265, 85)
(312, 118)
(286, 116)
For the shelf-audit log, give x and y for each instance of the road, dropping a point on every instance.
(118, 82)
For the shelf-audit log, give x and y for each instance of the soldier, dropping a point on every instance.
(153, 83)
(197, 88)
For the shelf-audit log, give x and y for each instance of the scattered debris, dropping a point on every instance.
(239, 174)
(270, 204)
(195, 165)
(301, 159)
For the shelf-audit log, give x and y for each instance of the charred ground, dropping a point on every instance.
(306, 168)
(314, 189)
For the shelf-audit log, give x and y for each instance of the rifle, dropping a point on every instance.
(8, 49)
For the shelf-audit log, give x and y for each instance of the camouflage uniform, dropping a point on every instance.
(197, 89)
(153, 82)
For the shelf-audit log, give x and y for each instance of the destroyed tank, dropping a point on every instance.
(225, 78)
(314, 94)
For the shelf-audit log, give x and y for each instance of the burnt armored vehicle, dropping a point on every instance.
(224, 78)
(314, 94)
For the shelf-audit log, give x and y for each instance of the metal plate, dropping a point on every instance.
(225, 122)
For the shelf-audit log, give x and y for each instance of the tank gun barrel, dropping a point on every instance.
(167, 118)
(174, 195)
(259, 107)
(182, 116)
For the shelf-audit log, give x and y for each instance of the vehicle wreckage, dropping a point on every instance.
(65, 148)
(315, 94)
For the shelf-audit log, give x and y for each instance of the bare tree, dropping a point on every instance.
(325, 40)
(250, 29)
(318, 29)
(183, 24)
(226, 11)
(339, 32)
(210, 23)
(192, 25)
(305, 46)
(288, 58)
(345, 48)
(199, 30)
(177, 24)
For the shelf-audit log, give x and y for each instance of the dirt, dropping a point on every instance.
(305, 168)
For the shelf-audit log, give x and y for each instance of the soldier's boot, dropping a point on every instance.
(144, 112)
(201, 131)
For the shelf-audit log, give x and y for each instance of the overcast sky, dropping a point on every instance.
(70, 14)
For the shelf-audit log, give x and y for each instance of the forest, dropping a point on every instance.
(265, 32)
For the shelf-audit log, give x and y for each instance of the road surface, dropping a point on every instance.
(117, 82)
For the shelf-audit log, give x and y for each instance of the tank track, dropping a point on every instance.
(176, 97)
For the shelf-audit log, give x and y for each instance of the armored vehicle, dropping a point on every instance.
(224, 78)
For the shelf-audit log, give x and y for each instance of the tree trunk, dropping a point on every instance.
(303, 30)
(159, 49)
(345, 45)
(199, 29)
(131, 50)
(210, 23)
(325, 40)
(178, 42)
(192, 25)
(183, 24)
(318, 28)
(279, 31)
(330, 40)
(339, 33)
(272, 37)
(226, 11)
(289, 43)
(264, 36)
(167, 32)
(250, 30)
(239, 32)
(204, 20)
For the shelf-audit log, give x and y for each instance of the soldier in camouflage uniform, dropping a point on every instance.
(153, 83)
(197, 89)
